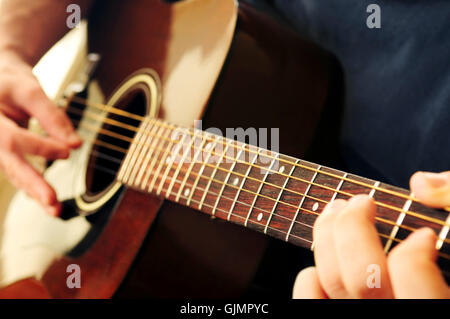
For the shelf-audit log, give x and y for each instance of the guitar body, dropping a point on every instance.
(231, 67)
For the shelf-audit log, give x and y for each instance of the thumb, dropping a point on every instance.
(432, 189)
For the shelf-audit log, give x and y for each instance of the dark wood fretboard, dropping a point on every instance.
(266, 191)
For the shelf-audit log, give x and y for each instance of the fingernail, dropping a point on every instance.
(435, 180)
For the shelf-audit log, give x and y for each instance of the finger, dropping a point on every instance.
(21, 141)
(14, 113)
(307, 285)
(27, 142)
(54, 121)
(412, 267)
(23, 176)
(359, 250)
(325, 253)
(433, 189)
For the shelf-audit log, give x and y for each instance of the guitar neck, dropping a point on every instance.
(266, 191)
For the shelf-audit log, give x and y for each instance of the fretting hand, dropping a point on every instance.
(347, 242)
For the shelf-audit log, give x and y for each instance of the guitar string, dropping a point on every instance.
(103, 131)
(397, 209)
(345, 193)
(118, 111)
(140, 118)
(123, 150)
(116, 160)
(252, 221)
(382, 220)
(173, 193)
(170, 178)
(417, 215)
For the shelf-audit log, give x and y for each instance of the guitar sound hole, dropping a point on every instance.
(113, 141)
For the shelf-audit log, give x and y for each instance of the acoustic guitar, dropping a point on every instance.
(145, 165)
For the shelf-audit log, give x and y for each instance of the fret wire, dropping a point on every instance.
(311, 212)
(148, 156)
(170, 126)
(372, 191)
(202, 168)
(250, 192)
(278, 199)
(374, 188)
(301, 203)
(304, 239)
(160, 164)
(162, 138)
(257, 223)
(134, 116)
(398, 223)
(140, 151)
(258, 192)
(382, 235)
(242, 185)
(126, 165)
(338, 188)
(327, 173)
(243, 203)
(180, 164)
(168, 161)
(443, 234)
(443, 255)
(305, 195)
(212, 175)
(311, 197)
(186, 176)
(260, 224)
(312, 169)
(423, 217)
(154, 159)
(226, 181)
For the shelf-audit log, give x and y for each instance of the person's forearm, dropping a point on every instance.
(29, 27)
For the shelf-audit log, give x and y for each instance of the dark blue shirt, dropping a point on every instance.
(397, 80)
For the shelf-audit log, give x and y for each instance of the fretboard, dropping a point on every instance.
(269, 192)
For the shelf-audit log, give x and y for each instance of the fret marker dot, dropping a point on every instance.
(281, 169)
(167, 159)
(235, 181)
(208, 146)
(315, 206)
(260, 216)
(186, 192)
